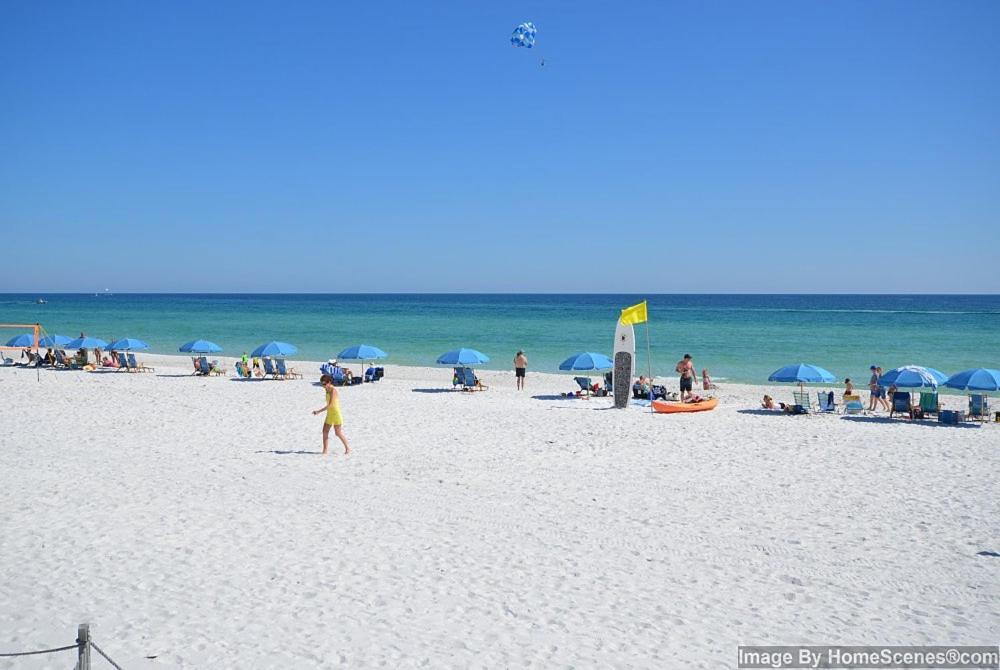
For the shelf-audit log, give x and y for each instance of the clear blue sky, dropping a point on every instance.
(406, 146)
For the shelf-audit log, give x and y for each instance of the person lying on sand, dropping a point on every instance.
(768, 402)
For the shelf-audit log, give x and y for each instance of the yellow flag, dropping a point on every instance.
(634, 314)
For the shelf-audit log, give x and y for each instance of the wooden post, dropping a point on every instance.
(83, 647)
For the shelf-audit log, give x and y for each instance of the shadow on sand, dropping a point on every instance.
(281, 452)
(916, 422)
(432, 391)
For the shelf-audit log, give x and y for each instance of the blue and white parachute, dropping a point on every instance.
(524, 35)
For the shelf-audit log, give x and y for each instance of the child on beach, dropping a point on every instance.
(333, 417)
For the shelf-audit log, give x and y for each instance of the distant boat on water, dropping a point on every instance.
(41, 301)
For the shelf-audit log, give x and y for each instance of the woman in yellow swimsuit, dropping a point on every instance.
(333, 418)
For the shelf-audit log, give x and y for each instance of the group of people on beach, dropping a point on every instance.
(878, 395)
(685, 369)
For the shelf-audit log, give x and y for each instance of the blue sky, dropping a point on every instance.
(400, 146)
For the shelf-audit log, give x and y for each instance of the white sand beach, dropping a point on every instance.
(192, 522)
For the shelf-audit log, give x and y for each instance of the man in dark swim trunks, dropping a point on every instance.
(520, 367)
(685, 368)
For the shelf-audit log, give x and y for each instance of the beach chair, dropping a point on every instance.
(826, 401)
(123, 365)
(287, 373)
(801, 398)
(470, 382)
(901, 404)
(218, 369)
(979, 407)
(585, 384)
(929, 403)
(379, 373)
(269, 369)
(135, 366)
(853, 405)
(369, 375)
(203, 367)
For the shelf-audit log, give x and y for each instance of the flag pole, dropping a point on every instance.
(649, 366)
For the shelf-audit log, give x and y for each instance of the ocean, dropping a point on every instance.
(736, 337)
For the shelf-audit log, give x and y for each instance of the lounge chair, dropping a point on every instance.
(826, 401)
(901, 404)
(70, 363)
(135, 366)
(585, 384)
(369, 375)
(269, 369)
(979, 407)
(287, 373)
(469, 380)
(379, 373)
(853, 405)
(929, 403)
(123, 365)
(802, 398)
(204, 368)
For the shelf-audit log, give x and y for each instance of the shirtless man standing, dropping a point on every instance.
(520, 367)
(685, 368)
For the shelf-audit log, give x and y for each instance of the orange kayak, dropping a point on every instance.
(664, 407)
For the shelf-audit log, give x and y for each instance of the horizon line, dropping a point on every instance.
(394, 293)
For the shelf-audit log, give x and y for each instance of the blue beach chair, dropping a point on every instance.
(287, 373)
(269, 369)
(135, 366)
(469, 381)
(203, 367)
(901, 404)
(979, 407)
(585, 384)
(123, 365)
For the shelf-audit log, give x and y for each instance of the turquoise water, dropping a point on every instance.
(739, 337)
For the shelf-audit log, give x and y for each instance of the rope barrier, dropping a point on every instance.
(42, 651)
(106, 657)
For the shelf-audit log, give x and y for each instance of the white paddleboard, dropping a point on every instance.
(624, 358)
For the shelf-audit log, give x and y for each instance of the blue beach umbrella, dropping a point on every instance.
(22, 340)
(52, 341)
(274, 350)
(977, 379)
(200, 347)
(87, 343)
(361, 352)
(802, 373)
(913, 377)
(128, 344)
(587, 360)
(462, 357)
